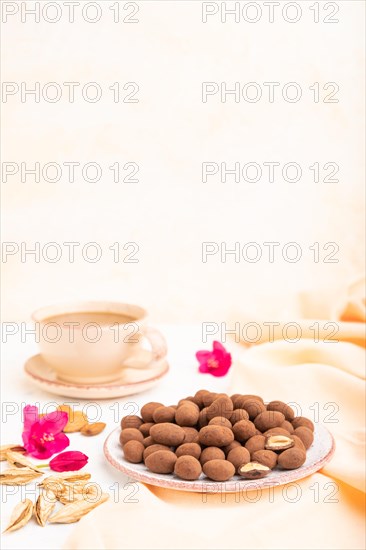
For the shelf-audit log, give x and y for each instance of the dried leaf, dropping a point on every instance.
(19, 461)
(77, 486)
(49, 494)
(77, 420)
(43, 508)
(83, 491)
(18, 476)
(20, 515)
(74, 511)
(63, 489)
(93, 429)
(4, 449)
(73, 488)
(72, 477)
(67, 499)
(61, 477)
(53, 486)
(51, 480)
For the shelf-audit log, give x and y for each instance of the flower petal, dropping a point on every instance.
(54, 422)
(25, 438)
(216, 362)
(68, 461)
(204, 368)
(27, 442)
(38, 452)
(220, 371)
(217, 346)
(203, 355)
(225, 361)
(221, 355)
(30, 416)
(60, 443)
(46, 449)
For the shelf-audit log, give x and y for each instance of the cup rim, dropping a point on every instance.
(138, 313)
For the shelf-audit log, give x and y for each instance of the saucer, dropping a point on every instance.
(131, 380)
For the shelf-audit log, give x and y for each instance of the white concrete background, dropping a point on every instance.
(169, 133)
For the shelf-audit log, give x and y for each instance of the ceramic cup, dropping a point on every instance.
(92, 342)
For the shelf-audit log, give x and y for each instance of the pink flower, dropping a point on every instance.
(42, 436)
(69, 461)
(216, 362)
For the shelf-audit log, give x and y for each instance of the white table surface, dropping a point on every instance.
(182, 380)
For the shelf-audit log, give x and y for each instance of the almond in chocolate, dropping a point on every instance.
(187, 467)
(278, 443)
(302, 421)
(161, 462)
(268, 458)
(147, 410)
(133, 451)
(292, 458)
(167, 434)
(211, 453)
(130, 434)
(306, 435)
(282, 407)
(253, 470)
(268, 419)
(191, 449)
(217, 436)
(219, 470)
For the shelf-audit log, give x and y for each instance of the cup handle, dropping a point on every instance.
(157, 341)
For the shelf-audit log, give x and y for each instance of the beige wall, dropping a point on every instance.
(169, 133)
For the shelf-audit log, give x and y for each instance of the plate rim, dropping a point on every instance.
(212, 487)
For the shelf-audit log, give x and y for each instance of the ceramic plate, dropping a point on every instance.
(317, 456)
(132, 380)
